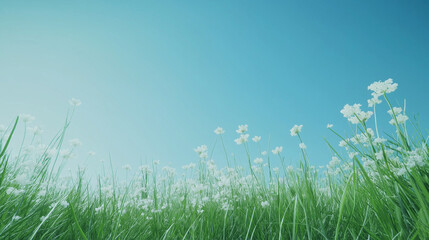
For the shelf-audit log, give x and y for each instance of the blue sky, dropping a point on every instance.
(156, 78)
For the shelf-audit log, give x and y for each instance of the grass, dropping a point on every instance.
(374, 188)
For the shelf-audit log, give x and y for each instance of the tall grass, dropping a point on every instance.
(374, 188)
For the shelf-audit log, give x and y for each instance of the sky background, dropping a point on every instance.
(157, 77)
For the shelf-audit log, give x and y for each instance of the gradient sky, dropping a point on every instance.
(157, 77)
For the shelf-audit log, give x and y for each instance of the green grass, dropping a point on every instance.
(372, 189)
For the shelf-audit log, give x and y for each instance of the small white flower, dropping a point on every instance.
(258, 160)
(264, 153)
(43, 218)
(98, 209)
(219, 131)
(276, 170)
(295, 130)
(265, 204)
(16, 218)
(156, 162)
(27, 118)
(329, 125)
(35, 130)
(127, 167)
(75, 102)
(75, 142)
(379, 88)
(302, 146)
(277, 150)
(242, 129)
(64, 203)
(242, 139)
(256, 139)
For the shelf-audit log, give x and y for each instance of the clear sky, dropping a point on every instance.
(157, 77)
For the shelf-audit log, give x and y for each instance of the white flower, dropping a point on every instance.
(265, 204)
(156, 162)
(35, 130)
(66, 154)
(264, 153)
(242, 129)
(75, 142)
(201, 149)
(256, 138)
(373, 101)
(219, 131)
(21, 179)
(396, 110)
(277, 150)
(329, 125)
(27, 118)
(302, 146)
(400, 171)
(75, 102)
(127, 167)
(295, 130)
(258, 160)
(354, 113)
(98, 209)
(276, 170)
(64, 203)
(379, 88)
(242, 139)
(401, 118)
(43, 218)
(16, 218)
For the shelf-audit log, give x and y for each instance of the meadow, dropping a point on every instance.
(375, 187)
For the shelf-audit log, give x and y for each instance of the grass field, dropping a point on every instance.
(375, 187)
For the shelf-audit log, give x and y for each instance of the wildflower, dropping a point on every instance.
(66, 154)
(379, 155)
(354, 114)
(43, 218)
(27, 118)
(352, 155)
(258, 160)
(156, 162)
(277, 150)
(379, 88)
(75, 102)
(265, 204)
(329, 125)
(400, 171)
(35, 130)
(21, 179)
(302, 146)
(295, 130)
(242, 139)
(16, 218)
(75, 142)
(396, 111)
(276, 170)
(242, 129)
(264, 153)
(127, 167)
(256, 138)
(64, 203)
(219, 131)
(401, 118)
(201, 149)
(373, 101)
(98, 209)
